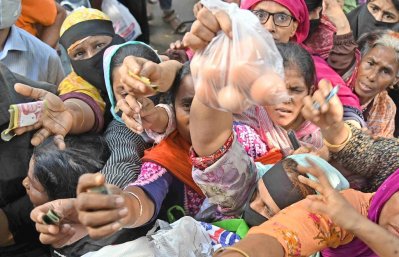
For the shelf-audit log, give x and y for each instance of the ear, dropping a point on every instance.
(294, 28)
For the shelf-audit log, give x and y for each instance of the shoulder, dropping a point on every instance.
(34, 44)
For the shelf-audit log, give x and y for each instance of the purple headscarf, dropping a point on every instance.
(357, 248)
(297, 8)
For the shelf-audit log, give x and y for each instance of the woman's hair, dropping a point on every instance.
(137, 50)
(290, 167)
(184, 71)
(59, 170)
(295, 56)
(387, 38)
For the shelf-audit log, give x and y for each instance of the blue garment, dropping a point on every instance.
(26, 55)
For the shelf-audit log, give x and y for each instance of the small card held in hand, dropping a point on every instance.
(51, 218)
(101, 190)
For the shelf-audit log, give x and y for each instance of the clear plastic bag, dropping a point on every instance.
(231, 74)
(124, 23)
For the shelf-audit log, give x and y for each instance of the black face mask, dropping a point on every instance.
(314, 25)
(368, 23)
(92, 69)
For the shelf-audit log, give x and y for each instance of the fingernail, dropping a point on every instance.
(123, 212)
(137, 109)
(139, 128)
(119, 201)
(116, 226)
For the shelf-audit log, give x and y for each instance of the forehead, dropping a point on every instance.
(386, 5)
(385, 55)
(186, 88)
(272, 7)
(293, 76)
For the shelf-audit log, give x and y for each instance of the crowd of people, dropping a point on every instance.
(127, 136)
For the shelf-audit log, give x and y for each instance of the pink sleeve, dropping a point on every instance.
(250, 141)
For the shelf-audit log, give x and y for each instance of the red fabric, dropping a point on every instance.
(173, 154)
(297, 8)
(272, 157)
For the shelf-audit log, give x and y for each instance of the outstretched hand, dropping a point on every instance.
(56, 119)
(329, 201)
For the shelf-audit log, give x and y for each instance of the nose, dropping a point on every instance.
(371, 76)
(269, 25)
(378, 16)
(25, 182)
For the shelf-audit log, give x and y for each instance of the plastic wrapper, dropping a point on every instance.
(231, 74)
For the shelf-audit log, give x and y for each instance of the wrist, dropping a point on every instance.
(336, 134)
(343, 29)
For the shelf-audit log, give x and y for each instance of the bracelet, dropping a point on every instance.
(343, 143)
(232, 248)
(141, 208)
(80, 109)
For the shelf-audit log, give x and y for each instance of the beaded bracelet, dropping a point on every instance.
(141, 208)
(232, 248)
(343, 143)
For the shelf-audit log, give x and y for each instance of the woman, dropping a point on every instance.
(374, 15)
(305, 233)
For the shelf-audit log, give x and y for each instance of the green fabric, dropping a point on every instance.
(237, 226)
(349, 5)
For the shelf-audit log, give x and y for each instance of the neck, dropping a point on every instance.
(3, 37)
(365, 100)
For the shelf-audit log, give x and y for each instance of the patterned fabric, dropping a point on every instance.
(374, 159)
(381, 117)
(75, 83)
(228, 178)
(127, 148)
(219, 236)
(26, 55)
(149, 173)
(321, 41)
(302, 233)
(276, 137)
(80, 15)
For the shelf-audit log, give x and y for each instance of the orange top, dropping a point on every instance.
(34, 12)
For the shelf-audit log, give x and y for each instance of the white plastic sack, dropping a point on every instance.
(183, 238)
(234, 73)
(124, 23)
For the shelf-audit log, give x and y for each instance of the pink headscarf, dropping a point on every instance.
(297, 8)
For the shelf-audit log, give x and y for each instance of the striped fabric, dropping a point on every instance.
(28, 56)
(127, 148)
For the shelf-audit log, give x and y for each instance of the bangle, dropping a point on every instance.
(343, 143)
(141, 208)
(232, 248)
(80, 109)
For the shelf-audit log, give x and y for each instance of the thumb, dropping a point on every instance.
(31, 92)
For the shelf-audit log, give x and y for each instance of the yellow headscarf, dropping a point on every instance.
(82, 14)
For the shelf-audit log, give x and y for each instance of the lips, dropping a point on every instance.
(283, 110)
(365, 88)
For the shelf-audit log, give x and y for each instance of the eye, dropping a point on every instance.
(79, 55)
(374, 8)
(281, 17)
(386, 71)
(388, 17)
(100, 45)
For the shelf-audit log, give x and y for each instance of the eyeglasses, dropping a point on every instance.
(279, 19)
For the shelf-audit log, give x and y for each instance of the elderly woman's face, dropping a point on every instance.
(88, 47)
(383, 10)
(389, 217)
(378, 70)
(282, 26)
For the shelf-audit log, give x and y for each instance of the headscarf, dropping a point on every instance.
(297, 9)
(108, 56)
(77, 27)
(357, 248)
(362, 21)
(283, 191)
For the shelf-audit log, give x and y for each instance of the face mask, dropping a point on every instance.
(9, 12)
(314, 25)
(92, 69)
(368, 23)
